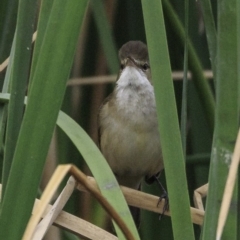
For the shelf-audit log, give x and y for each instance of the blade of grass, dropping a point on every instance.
(18, 81)
(168, 120)
(185, 80)
(45, 98)
(211, 33)
(226, 124)
(195, 66)
(98, 165)
(105, 35)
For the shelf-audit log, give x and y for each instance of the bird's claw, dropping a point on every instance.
(164, 195)
(166, 204)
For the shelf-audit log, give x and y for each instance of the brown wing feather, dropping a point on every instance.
(105, 101)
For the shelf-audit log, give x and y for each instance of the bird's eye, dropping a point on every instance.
(145, 67)
(122, 66)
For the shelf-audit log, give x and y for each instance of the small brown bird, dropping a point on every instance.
(128, 128)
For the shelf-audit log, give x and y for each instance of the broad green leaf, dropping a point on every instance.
(226, 123)
(18, 81)
(167, 120)
(47, 91)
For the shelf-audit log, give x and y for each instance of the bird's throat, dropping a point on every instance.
(134, 98)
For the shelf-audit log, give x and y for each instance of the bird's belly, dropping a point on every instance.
(132, 152)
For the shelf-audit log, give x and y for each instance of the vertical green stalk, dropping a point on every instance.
(210, 32)
(168, 120)
(185, 80)
(226, 123)
(18, 81)
(105, 35)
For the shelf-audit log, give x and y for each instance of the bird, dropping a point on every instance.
(129, 138)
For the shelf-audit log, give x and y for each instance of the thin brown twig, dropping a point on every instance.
(176, 75)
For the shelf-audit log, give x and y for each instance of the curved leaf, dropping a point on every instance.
(99, 168)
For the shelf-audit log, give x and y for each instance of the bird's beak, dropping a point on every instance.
(130, 62)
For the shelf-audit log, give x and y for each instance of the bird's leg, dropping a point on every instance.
(164, 194)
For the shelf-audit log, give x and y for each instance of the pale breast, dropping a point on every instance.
(129, 134)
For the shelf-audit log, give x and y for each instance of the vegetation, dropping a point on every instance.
(69, 67)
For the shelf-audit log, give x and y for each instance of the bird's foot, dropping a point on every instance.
(164, 195)
(166, 203)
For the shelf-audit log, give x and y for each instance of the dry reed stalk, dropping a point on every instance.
(147, 201)
(229, 187)
(59, 174)
(198, 195)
